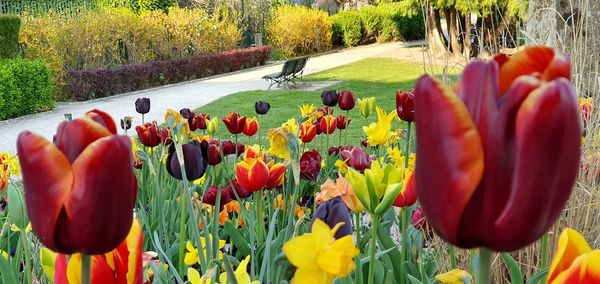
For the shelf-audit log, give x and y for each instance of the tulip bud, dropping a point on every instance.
(214, 155)
(142, 105)
(212, 125)
(366, 106)
(210, 196)
(342, 121)
(328, 124)
(356, 158)
(332, 212)
(405, 105)
(148, 134)
(276, 175)
(330, 98)
(346, 100)
(195, 156)
(261, 107)
(199, 121)
(126, 122)
(310, 165)
(251, 126)
(308, 131)
(234, 123)
(187, 113)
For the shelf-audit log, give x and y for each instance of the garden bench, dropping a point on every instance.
(292, 69)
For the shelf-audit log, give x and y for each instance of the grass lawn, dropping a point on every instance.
(373, 77)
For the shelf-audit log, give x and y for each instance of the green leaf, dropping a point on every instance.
(538, 277)
(16, 207)
(6, 273)
(391, 192)
(516, 277)
(237, 239)
(387, 243)
(413, 280)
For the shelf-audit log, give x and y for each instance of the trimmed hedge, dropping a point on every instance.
(347, 28)
(25, 87)
(9, 35)
(103, 82)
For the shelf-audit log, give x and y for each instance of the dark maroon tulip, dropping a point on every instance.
(187, 113)
(332, 212)
(261, 107)
(214, 154)
(199, 121)
(195, 155)
(330, 98)
(405, 105)
(241, 192)
(148, 134)
(210, 196)
(228, 148)
(334, 150)
(364, 143)
(310, 165)
(343, 121)
(165, 136)
(318, 126)
(241, 148)
(142, 105)
(356, 158)
(346, 100)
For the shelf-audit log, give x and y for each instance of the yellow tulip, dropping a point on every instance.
(575, 262)
(212, 125)
(377, 187)
(306, 110)
(378, 134)
(366, 106)
(319, 257)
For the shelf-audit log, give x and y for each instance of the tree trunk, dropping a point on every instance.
(453, 31)
(467, 34)
(438, 26)
(541, 24)
(434, 42)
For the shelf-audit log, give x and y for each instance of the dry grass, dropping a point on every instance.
(583, 209)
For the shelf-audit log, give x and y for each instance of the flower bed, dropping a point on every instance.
(99, 83)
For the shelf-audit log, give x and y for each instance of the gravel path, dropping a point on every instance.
(190, 94)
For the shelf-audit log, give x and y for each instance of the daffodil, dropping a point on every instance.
(15, 228)
(319, 257)
(290, 126)
(342, 166)
(366, 106)
(278, 139)
(378, 134)
(4, 254)
(200, 181)
(378, 186)
(455, 276)
(192, 257)
(395, 156)
(307, 110)
(241, 274)
(195, 278)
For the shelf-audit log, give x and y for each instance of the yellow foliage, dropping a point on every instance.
(297, 30)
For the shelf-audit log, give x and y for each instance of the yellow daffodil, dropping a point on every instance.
(200, 181)
(15, 228)
(411, 161)
(366, 106)
(342, 166)
(192, 257)
(241, 274)
(307, 110)
(4, 254)
(377, 187)
(319, 257)
(378, 134)
(395, 156)
(290, 126)
(575, 261)
(195, 278)
(212, 125)
(278, 139)
(455, 276)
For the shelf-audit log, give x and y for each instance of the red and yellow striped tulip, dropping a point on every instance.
(575, 262)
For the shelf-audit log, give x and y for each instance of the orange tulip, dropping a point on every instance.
(575, 262)
(508, 133)
(122, 265)
(80, 191)
(308, 131)
(328, 124)
(251, 126)
(252, 174)
(276, 175)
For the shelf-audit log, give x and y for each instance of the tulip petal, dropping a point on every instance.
(450, 163)
(74, 136)
(546, 62)
(571, 244)
(103, 118)
(583, 270)
(103, 195)
(547, 158)
(45, 190)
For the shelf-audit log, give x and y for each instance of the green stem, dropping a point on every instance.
(485, 265)
(452, 253)
(374, 222)
(28, 271)
(407, 152)
(183, 202)
(404, 240)
(86, 264)
(544, 257)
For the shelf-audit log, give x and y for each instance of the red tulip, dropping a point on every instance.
(214, 154)
(328, 124)
(210, 196)
(80, 192)
(356, 158)
(276, 175)
(308, 131)
(239, 189)
(252, 174)
(310, 165)
(198, 121)
(405, 105)
(251, 126)
(122, 265)
(165, 136)
(510, 135)
(346, 100)
(408, 195)
(342, 121)
(148, 134)
(234, 122)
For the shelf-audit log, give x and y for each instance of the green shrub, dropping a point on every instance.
(347, 28)
(25, 87)
(297, 30)
(9, 36)
(373, 18)
(408, 21)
